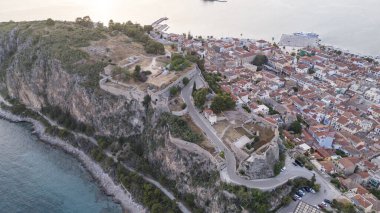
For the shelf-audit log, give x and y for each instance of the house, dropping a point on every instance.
(325, 155)
(328, 167)
(261, 109)
(375, 111)
(301, 105)
(373, 94)
(302, 68)
(210, 116)
(377, 129)
(345, 166)
(360, 177)
(323, 135)
(367, 165)
(304, 148)
(340, 122)
(350, 151)
(359, 200)
(365, 124)
(261, 43)
(353, 187)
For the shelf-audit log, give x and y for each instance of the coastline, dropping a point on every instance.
(117, 191)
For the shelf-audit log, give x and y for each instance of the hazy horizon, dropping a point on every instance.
(346, 24)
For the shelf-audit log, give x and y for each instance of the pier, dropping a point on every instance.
(159, 21)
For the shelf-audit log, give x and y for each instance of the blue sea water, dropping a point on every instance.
(37, 178)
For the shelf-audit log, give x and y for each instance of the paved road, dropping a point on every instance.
(228, 173)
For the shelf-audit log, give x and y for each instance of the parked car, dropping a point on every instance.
(299, 193)
(295, 164)
(299, 163)
(324, 204)
(321, 206)
(295, 197)
(283, 169)
(307, 189)
(327, 201)
(312, 190)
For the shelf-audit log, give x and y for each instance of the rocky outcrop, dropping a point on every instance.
(261, 163)
(44, 81)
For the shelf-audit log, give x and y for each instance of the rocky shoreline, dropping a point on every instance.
(120, 195)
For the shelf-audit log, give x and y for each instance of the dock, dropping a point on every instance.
(159, 21)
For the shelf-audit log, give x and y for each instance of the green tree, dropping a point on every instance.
(296, 127)
(85, 21)
(313, 179)
(174, 91)
(200, 97)
(147, 100)
(185, 81)
(157, 208)
(50, 22)
(222, 102)
(136, 72)
(148, 28)
(310, 71)
(179, 63)
(286, 200)
(154, 47)
(260, 60)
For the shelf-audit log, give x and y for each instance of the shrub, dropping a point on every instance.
(200, 97)
(185, 81)
(183, 106)
(260, 60)
(296, 127)
(50, 22)
(222, 102)
(179, 128)
(174, 90)
(178, 62)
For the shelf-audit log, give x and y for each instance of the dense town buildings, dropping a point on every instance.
(335, 95)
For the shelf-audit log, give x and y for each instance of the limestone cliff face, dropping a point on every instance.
(44, 81)
(194, 172)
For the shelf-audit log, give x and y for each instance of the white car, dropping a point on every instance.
(283, 169)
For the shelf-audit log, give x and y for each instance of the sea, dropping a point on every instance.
(38, 178)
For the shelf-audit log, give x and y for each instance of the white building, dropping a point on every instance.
(373, 94)
(210, 116)
(261, 109)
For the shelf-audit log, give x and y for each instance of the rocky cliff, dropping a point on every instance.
(37, 79)
(43, 66)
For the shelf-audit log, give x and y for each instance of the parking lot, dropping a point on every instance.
(326, 192)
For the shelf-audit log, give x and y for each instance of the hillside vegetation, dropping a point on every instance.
(63, 41)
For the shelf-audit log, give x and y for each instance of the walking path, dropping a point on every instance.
(150, 180)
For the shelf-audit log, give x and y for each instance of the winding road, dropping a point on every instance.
(228, 173)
